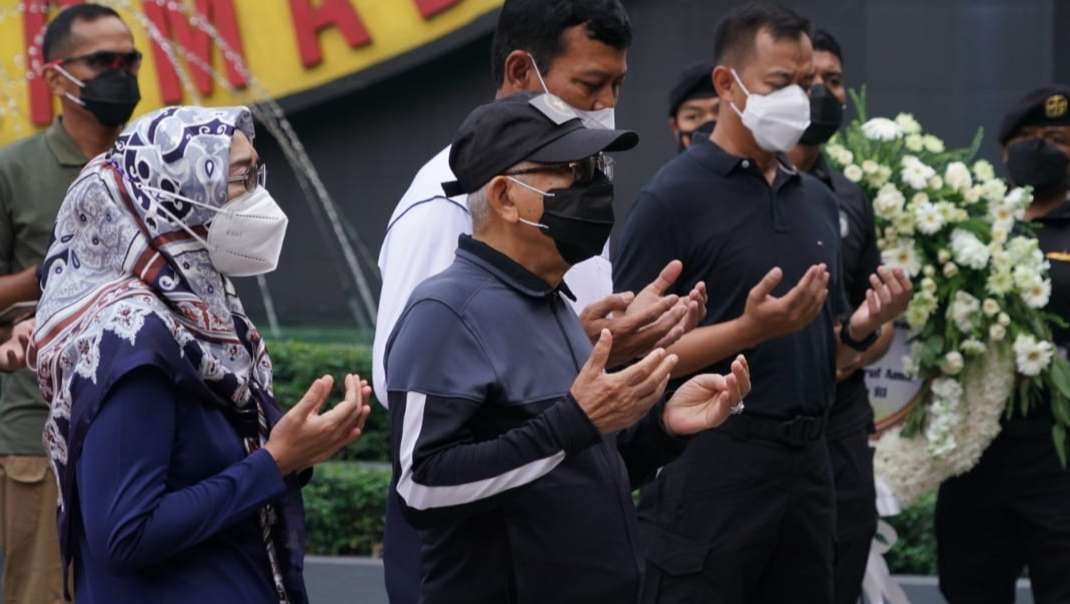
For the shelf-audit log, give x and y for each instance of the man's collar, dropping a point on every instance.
(508, 271)
(63, 146)
(724, 162)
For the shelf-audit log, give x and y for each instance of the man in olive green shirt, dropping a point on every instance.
(91, 66)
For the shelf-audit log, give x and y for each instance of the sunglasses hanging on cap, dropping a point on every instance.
(583, 171)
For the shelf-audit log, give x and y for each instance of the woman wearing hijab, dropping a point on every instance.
(179, 476)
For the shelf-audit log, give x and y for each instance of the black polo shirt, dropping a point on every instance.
(861, 257)
(717, 214)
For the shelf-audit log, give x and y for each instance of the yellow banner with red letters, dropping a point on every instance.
(227, 52)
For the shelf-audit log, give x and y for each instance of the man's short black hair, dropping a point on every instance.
(737, 31)
(537, 25)
(58, 37)
(825, 42)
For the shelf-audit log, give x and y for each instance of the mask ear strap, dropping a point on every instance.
(538, 73)
(171, 214)
(739, 81)
(530, 188)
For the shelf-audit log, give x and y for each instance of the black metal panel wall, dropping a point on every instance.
(955, 64)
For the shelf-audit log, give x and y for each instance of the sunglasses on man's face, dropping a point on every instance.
(106, 59)
(583, 171)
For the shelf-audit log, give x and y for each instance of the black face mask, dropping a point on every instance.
(111, 97)
(579, 219)
(1039, 164)
(686, 138)
(826, 117)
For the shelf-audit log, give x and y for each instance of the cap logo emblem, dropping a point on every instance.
(1056, 106)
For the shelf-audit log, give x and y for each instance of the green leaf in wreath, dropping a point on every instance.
(1058, 434)
(1060, 376)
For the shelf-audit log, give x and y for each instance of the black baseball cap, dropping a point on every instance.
(1046, 106)
(695, 82)
(527, 126)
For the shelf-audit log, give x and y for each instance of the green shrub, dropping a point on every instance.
(299, 363)
(915, 552)
(345, 507)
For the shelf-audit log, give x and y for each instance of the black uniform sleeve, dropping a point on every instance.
(646, 446)
(871, 254)
(647, 243)
(440, 377)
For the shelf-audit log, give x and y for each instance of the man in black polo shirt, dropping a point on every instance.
(851, 419)
(515, 451)
(746, 514)
(1012, 510)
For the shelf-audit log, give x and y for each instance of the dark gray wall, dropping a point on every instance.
(955, 64)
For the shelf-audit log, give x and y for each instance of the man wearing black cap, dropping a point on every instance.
(850, 421)
(693, 104)
(1012, 510)
(577, 50)
(747, 513)
(515, 458)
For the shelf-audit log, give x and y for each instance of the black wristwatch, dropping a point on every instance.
(845, 337)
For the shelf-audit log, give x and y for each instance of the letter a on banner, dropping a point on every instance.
(309, 22)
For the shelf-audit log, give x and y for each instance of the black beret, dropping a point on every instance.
(1047, 106)
(695, 82)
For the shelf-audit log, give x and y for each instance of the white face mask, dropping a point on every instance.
(599, 119)
(245, 238)
(778, 119)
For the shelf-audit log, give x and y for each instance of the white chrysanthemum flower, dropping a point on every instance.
(903, 256)
(928, 219)
(933, 144)
(1002, 216)
(928, 285)
(907, 123)
(1004, 319)
(853, 173)
(1031, 355)
(997, 333)
(880, 177)
(1037, 293)
(917, 315)
(957, 176)
(929, 270)
(963, 311)
(1019, 197)
(950, 270)
(1000, 282)
(918, 199)
(969, 250)
(914, 143)
(904, 223)
(936, 182)
(1025, 252)
(993, 190)
(973, 347)
(990, 307)
(915, 173)
(870, 167)
(889, 202)
(973, 195)
(983, 170)
(881, 129)
(943, 255)
(952, 363)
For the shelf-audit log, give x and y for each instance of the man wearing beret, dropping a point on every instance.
(515, 451)
(693, 104)
(1012, 511)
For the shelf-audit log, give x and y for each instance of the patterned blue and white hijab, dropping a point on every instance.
(124, 286)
